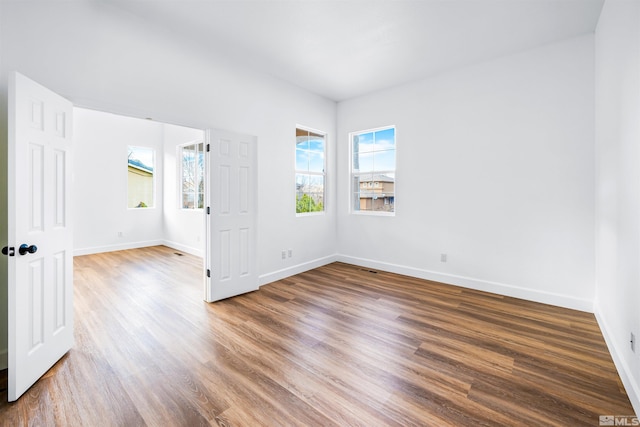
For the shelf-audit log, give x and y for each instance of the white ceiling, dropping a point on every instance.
(343, 49)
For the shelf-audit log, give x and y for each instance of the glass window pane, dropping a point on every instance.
(192, 159)
(384, 160)
(140, 177)
(385, 139)
(316, 144)
(185, 187)
(302, 183)
(317, 202)
(302, 142)
(316, 161)
(303, 203)
(373, 170)
(188, 160)
(365, 181)
(364, 204)
(366, 143)
(365, 163)
(316, 184)
(310, 171)
(187, 200)
(302, 160)
(310, 154)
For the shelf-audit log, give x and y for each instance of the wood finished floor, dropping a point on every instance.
(336, 346)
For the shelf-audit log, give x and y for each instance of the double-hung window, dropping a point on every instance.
(310, 171)
(191, 161)
(373, 171)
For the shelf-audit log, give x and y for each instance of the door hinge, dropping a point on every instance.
(208, 210)
(11, 251)
(208, 273)
(208, 147)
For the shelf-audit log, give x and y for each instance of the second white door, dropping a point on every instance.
(231, 265)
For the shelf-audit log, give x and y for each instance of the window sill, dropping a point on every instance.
(373, 213)
(304, 214)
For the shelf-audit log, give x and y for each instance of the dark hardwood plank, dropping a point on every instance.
(338, 345)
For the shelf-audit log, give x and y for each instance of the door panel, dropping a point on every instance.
(231, 226)
(40, 280)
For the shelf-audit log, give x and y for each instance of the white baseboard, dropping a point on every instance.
(295, 269)
(4, 359)
(630, 384)
(183, 248)
(118, 247)
(477, 284)
(467, 282)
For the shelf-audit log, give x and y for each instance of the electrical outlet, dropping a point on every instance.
(290, 253)
(632, 342)
(443, 257)
(120, 234)
(284, 254)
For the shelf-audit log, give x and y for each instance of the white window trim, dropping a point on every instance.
(323, 174)
(352, 174)
(179, 174)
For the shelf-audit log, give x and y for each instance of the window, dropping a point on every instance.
(373, 170)
(310, 171)
(191, 161)
(140, 177)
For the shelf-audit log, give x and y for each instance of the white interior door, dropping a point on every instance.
(231, 224)
(41, 272)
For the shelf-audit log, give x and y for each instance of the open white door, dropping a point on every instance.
(40, 238)
(231, 224)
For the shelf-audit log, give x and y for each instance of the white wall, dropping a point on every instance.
(102, 59)
(102, 220)
(495, 167)
(617, 71)
(99, 188)
(183, 228)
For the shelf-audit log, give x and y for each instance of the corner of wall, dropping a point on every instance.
(505, 289)
(296, 269)
(624, 371)
(117, 247)
(183, 248)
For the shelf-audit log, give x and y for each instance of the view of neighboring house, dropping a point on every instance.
(140, 184)
(377, 193)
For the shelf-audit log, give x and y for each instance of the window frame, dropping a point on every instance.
(180, 176)
(352, 174)
(322, 174)
(154, 170)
